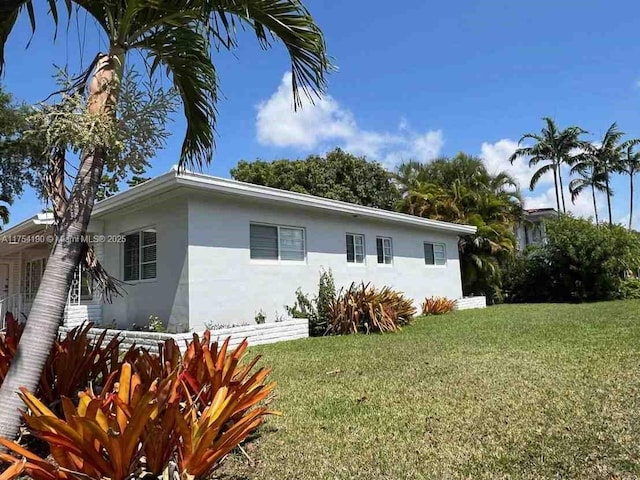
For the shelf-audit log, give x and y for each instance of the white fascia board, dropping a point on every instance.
(232, 187)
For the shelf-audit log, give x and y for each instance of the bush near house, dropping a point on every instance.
(364, 309)
(580, 262)
(318, 309)
(171, 415)
(630, 289)
(437, 306)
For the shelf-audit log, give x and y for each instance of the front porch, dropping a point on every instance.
(23, 260)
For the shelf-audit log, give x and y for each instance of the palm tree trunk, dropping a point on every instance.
(630, 199)
(48, 307)
(555, 183)
(564, 208)
(595, 205)
(606, 179)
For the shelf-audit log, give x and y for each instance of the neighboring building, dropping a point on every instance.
(532, 230)
(197, 249)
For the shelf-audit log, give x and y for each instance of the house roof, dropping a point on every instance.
(188, 180)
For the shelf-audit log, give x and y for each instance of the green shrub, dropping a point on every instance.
(318, 309)
(630, 289)
(580, 262)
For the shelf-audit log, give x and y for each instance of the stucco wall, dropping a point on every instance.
(227, 287)
(167, 296)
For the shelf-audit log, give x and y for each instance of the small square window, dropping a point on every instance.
(435, 253)
(140, 256)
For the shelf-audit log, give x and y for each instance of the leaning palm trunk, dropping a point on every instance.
(555, 184)
(49, 304)
(564, 208)
(630, 199)
(595, 205)
(606, 180)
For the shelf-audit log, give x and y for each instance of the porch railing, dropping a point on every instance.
(15, 305)
(81, 287)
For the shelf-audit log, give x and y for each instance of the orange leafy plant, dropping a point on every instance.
(437, 306)
(363, 308)
(149, 422)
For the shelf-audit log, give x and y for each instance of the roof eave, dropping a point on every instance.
(265, 193)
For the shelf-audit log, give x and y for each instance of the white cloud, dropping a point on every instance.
(496, 158)
(326, 123)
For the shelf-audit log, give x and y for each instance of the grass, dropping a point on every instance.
(522, 392)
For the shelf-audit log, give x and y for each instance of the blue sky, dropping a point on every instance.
(433, 78)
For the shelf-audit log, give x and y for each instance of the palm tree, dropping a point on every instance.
(590, 176)
(461, 190)
(607, 155)
(554, 146)
(178, 35)
(4, 211)
(630, 165)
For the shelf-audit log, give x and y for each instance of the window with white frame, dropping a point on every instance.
(33, 271)
(355, 248)
(435, 253)
(275, 242)
(140, 255)
(384, 250)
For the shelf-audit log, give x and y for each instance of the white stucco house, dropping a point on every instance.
(196, 249)
(532, 230)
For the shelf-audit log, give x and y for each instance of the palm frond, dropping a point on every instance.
(291, 23)
(185, 54)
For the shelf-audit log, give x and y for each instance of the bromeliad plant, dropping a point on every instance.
(364, 309)
(437, 306)
(172, 415)
(74, 362)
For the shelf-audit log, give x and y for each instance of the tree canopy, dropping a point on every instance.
(338, 175)
(21, 160)
(462, 190)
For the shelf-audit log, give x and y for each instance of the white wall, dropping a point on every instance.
(167, 295)
(227, 287)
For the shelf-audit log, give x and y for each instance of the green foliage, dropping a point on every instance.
(318, 309)
(580, 262)
(364, 309)
(554, 146)
(461, 190)
(326, 297)
(21, 158)
(630, 289)
(338, 176)
(260, 317)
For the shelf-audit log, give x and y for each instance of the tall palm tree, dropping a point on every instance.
(554, 146)
(630, 165)
(607, 155)
(178, 35)
(591, 176)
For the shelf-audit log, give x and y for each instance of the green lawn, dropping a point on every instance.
(531, 391)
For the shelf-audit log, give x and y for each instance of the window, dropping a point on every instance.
(385, 252)
(140, 255)
(435, 254)
(33, 272)
(272, 242)
(355, 248)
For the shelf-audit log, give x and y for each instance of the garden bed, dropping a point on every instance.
(256, 334)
